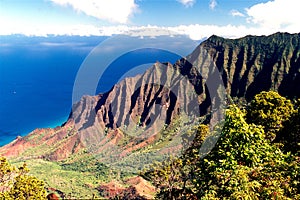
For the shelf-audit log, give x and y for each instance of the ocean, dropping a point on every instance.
(37, 75)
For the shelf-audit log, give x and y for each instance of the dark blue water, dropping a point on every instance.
(36, 81)
(37, 76)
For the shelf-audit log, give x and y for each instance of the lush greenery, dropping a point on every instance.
(15, 183)
(256, 157)
(270, 110)
(251, 160)
(78, 177)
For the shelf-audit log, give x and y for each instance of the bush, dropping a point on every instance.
(15, 183)
(270, 110)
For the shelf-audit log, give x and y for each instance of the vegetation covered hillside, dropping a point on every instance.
(256, 157)
(253, 64)
(257, 160)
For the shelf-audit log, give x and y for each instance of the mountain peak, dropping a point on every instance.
(117, 118)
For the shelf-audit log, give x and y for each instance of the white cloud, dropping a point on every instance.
(29, 29)
(112, 10)
(62, 44)
(236, 13)
(280, 15)
(213, 4)
(198, 32)
(194, 31)
(187, 3)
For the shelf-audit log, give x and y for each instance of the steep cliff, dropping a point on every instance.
(136, 109)
(253, 64)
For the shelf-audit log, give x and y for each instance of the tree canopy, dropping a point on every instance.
(244, 164)
(15, 183)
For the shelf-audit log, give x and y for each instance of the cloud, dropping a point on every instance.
(280, 15)
(187, 3)
(213, 4)
(62, 44)
(199, 32)
(236, 13)
(45, 30)
(111, 10)
(194, 31)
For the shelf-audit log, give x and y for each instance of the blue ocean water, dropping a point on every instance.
(36, 81)
(37, 75)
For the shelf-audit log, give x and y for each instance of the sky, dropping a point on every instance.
(196, 18)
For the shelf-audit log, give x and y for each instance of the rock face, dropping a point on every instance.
(245, 67)
(159, 94)
(253, 64)
(138, 108)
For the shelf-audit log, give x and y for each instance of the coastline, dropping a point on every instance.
(8, 139)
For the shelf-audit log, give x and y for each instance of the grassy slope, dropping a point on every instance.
(81, 174)
(78, 184)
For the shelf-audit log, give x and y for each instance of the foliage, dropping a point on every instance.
(270, 110)
(68, 178)
(167, 177)
(243, 164)
(289, 136)
(15, 183)
(88, 164)
(28, 187)
(172, 176)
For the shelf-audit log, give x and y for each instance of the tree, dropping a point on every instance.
(173, 176)
(27, 188)
(166, 176)
(289, 136)
(15, 183)
(270, 110)
(242, 165)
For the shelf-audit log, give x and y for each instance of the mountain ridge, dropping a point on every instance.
(257, 54)
(247, 66)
